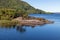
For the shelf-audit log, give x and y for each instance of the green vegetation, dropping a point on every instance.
(8, 23)
(10, 9)
(19, 5)
(7, 15)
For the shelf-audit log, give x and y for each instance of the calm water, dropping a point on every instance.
(44, 32)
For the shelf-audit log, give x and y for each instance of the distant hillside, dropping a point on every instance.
(18, 5)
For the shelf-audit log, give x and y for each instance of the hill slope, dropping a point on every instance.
(18, 4)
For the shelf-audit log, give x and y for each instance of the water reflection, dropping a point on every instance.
(19, 28)
(7, 27)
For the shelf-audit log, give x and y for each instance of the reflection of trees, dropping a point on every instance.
(8, 27)
(20, 28)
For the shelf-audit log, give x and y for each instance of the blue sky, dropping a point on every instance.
(46, 5)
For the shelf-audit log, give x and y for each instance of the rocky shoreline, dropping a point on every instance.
(32, 21)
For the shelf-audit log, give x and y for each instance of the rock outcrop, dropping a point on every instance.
(32, 21)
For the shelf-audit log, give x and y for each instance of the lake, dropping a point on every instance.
(39, 32)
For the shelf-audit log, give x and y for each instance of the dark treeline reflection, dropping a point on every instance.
(18, 28)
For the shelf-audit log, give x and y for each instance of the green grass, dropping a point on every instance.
(8, 23)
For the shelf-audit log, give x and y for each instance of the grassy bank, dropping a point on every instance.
(8, 23)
